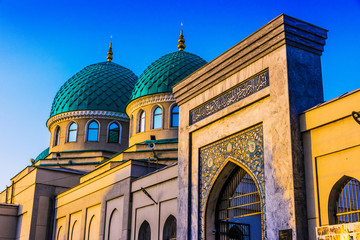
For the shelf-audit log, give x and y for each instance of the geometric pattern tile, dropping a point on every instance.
(165, 72)
(102, 86)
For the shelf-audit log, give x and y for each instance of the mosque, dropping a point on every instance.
(242, 147)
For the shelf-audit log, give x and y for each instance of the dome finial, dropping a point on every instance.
(110, 53)
(181, 41)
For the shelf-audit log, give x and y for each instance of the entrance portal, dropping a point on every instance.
(238, 208)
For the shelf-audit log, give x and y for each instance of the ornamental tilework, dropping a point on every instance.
(246, 148)
(230, 97)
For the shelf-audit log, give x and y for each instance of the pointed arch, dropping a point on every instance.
(72, 132)
(234, 203)
(92, 131)
(114, 132)
(344, 201)
(60, 234)
(131, 125)
(114, 225)
(174, 115)
(145, 231)
(157, 116)
(56, 136)
(93, 232)
(169, 231)
(75, 231)
(141, 122)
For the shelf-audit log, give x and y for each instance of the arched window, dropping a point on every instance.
(131, 125)
(157, 118)
(142, 121)
(57, 136)
(93, 132)
(174, 116)
(72, 133)
(145, 231)
(169, 231)
(114, 133)
(348, 202)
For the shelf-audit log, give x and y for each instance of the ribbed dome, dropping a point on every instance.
(102, 86)
(165, 72)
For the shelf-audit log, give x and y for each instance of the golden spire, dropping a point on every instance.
(181, 41)
(110, 53)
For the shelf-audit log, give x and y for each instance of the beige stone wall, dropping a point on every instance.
(8, 221)
(33, 191)
(104, 198)
(331, 149)
(162, 187)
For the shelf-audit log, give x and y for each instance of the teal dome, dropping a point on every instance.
(42, 155)
(102, 86)
(165, 72)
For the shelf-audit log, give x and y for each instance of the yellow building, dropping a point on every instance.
(242, 147)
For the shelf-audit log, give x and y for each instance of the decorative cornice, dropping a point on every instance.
(87, 114)
(149, 99)
(278, 32)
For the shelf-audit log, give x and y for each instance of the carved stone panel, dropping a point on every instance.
(247, 149)
(230, 97)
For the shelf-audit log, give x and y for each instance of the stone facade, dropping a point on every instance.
(283, 48)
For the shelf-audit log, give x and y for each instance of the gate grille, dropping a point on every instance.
(239, 198)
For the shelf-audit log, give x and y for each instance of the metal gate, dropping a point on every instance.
(238, 199)
(348, 204)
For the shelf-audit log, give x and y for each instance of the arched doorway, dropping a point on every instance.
(344, 201)
(234, 210)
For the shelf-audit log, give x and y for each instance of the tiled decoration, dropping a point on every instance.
(247, 149)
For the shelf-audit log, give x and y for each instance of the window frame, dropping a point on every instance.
(57, 135)
(108, 131)
(154, 108)
(139, 118)
(68, 131)
(87, 130)
(172, 106)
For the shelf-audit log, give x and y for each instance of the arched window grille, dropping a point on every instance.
(145, 231)
(93, 132)
(157, 119)
(114, 133)
(348, 203)
(142, 122)
(174, 119)
(57, 136)
(169, 232)
(238, 205)
(72, 133)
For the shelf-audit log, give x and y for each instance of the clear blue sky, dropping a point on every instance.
(43, 43)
